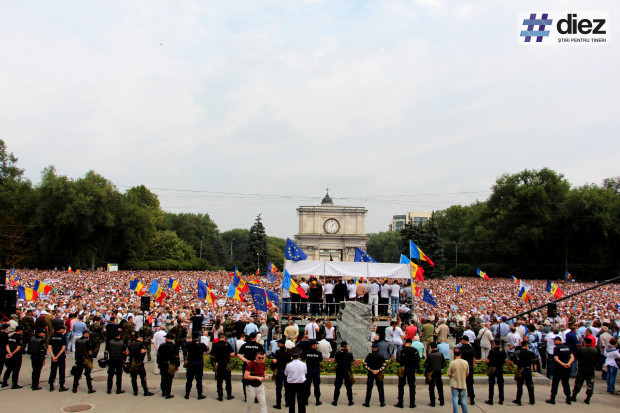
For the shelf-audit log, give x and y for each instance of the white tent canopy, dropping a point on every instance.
(347, 269)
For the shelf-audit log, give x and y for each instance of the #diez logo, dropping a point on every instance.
(564, 27)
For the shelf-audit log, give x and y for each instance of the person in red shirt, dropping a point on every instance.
(410, 331)
(254, 376)
(591, 337)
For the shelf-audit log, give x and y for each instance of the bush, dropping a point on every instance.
(328, 366)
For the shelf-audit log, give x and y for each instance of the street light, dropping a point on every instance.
(456, 255)
(231, 249)
(203, 237)
(258, 260)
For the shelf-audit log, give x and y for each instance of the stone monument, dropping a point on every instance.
(354, 327)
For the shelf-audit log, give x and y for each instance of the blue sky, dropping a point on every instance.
(393, 105)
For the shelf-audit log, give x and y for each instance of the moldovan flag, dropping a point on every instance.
(459, 289)
(160, 295)
(417, 272)
(14, 279)
(482, 274)
(568, 276)
(139, 288)
(28, 294)
(416, 289)
(69, 270)
(42, 288)
(288, 283)
(416, 252)
(554, 289)
(271, 269)
(78, 272)
(174, 285)
(514, 279)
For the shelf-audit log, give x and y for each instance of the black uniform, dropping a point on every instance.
(248, 350)
(560, 373)
(468, 353)
(83, 351)
(374, 361)
(195, 366)
(497, 359)
(116, 357)
(434, 364)
(136, 358)
(221, 355)
(57, 342)
(409, 358)
(281, 359)
(525, 358)
(344, 359)
(168, 353)
(37, 349)
(14, 364)
(4, 339)
(313, 361)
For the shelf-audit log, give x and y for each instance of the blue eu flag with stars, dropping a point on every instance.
(260, 298)
(428, 298)
(362, 256)
(293, 252)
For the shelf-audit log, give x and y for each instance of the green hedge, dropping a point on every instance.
(328, 366)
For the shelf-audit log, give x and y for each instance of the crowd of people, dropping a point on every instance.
(91, 313)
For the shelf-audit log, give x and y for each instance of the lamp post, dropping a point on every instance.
(231, 249)
(456, 255)
(258, 260)
(203, 237)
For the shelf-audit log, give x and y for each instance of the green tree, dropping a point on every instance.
(140, 216)
(384, 246)
(236, 244)
(200, 232)
(168, 246)
(276, 247)
(257, 248)
(15, 210)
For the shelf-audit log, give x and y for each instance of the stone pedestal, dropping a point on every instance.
(354, 327)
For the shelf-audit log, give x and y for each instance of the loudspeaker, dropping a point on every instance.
(8, 302)
(145, 303)
(552, 310)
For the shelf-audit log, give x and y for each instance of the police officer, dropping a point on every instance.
(344, 359)
(4, 339)
(247, 353)
(468, 353)
(83, 360)
(137, 351)
(409, 359)
(37, 349)
(195, 364)
(525, 360)
(433, 365)
(167, 356)
(295, 372)
(115, 352)
(57, 351)
(281, 359)
(221, 352)
(497, 358)
(13, 358)
(374, 363)
(563, 359)
(313, 361)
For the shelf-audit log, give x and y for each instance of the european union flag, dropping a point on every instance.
(260, 298)
(273, 297)
(361, 256)
(202, 289)
(293, 252)
(428, 298)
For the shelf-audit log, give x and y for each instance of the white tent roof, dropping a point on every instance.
(348, 269)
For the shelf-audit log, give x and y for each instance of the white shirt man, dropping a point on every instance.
(325, 348)
(470, 335)
(373, 296)
(352, 289)
(310, 330)
(329, 289)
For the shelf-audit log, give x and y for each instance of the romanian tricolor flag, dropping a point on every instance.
(42, 287)
(254, 281)
(459, 289)
(568, 276)
(237, 287)
(27, 294)
(78, 272)
(524, 295)
(416, 252)
(174, 285)
(69, 270)
(514, 279)
(288, 283)
(211, 297)
(14, 278)
(139, 287)
(257, 271)
(482, 274)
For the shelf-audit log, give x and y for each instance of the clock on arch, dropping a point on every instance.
(331, 226)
